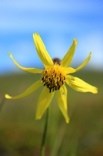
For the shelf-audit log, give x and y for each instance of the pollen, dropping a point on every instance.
(54, 77)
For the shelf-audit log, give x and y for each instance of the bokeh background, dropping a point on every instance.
(58, 22)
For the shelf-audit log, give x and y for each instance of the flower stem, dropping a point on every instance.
(43, 141)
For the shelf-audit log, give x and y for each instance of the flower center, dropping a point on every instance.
(54, 77)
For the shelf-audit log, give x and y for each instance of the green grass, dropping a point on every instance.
(20, 133)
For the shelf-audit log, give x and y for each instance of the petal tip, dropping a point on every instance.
(35, 35)
(67, 121)
(10, 54)
(38, 117)
(95, 91)
(7, 96)
(90, 54)
(75, 41)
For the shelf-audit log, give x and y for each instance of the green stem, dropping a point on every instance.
(42, 149)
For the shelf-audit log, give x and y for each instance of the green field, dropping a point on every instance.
(20, 133)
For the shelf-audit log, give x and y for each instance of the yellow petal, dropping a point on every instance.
(30, 70)
(62, 102)
(69, 55)
(69, 70)
(41, 50)
(80, 85)
(84, 63)
(43, 102)
(27, 92)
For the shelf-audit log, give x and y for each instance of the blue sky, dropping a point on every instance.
(58, 22)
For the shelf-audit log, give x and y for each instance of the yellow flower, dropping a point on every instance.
(55, 75)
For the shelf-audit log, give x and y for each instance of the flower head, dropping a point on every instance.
(55, 77)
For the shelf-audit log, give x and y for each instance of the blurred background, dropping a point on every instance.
(58, 22)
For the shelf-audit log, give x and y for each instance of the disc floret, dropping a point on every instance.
(53, 77)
